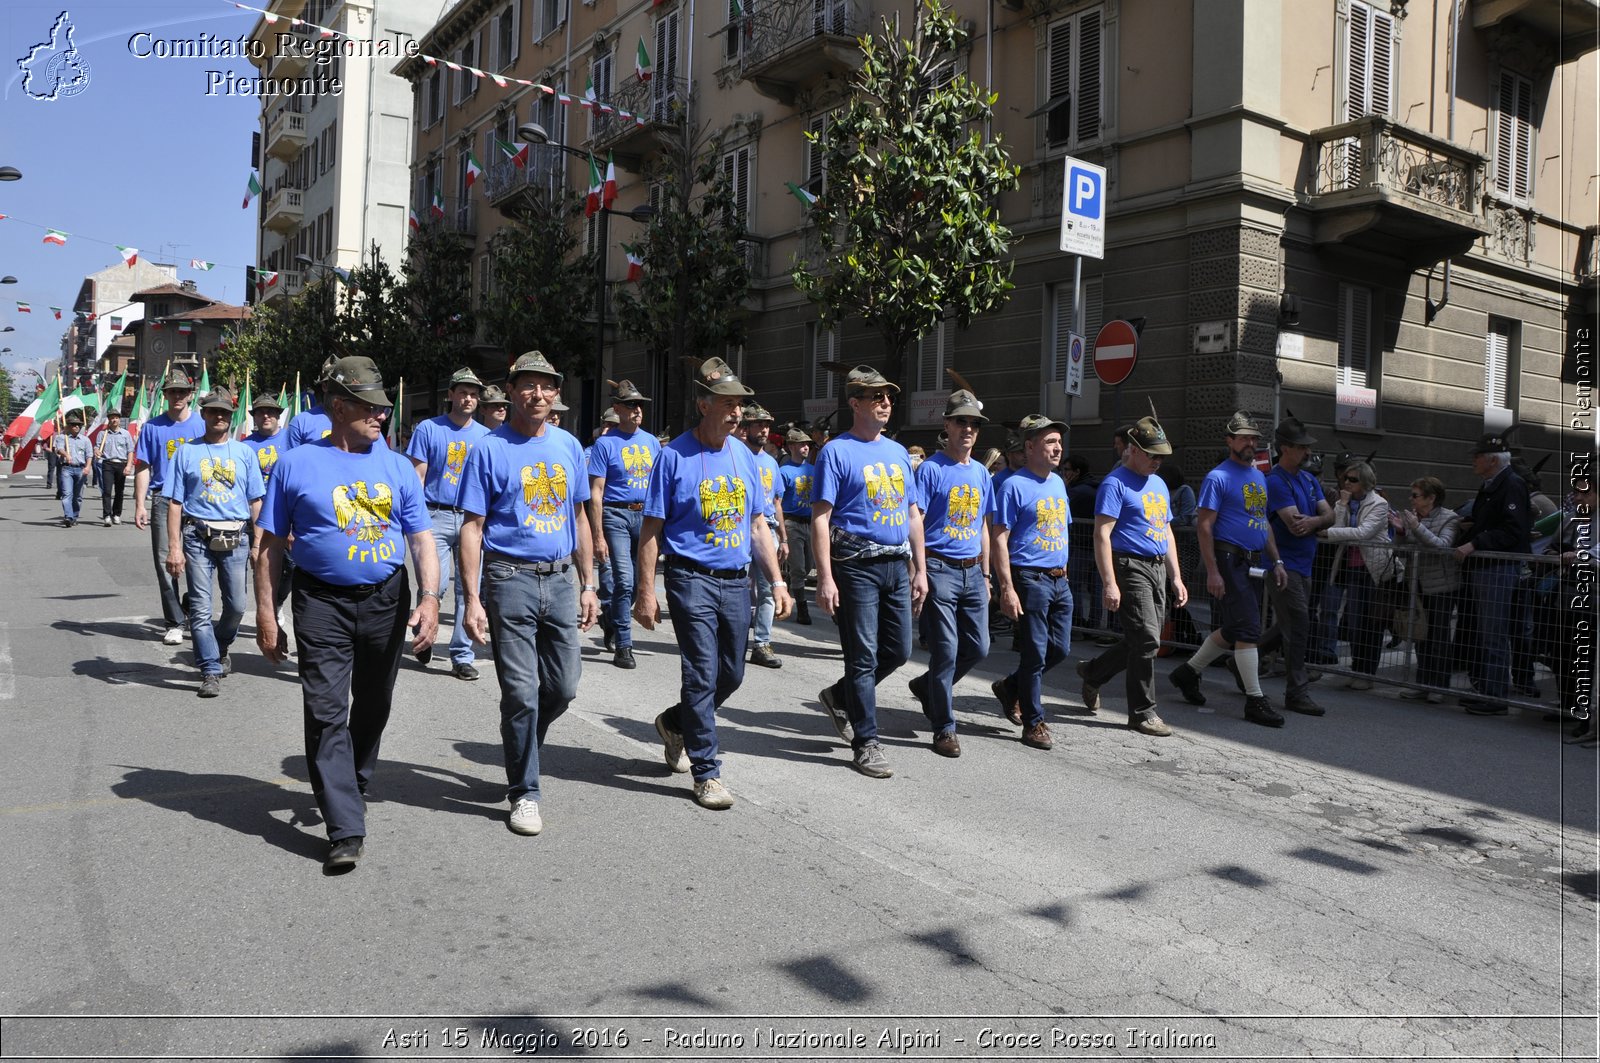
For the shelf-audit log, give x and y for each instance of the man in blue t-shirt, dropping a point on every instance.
(620, 463)
(1136, 558)
(1030, 525)
(214, 488)
(755, 426)
(527, 541)
(158, 441)
(438, 450)
(958, 498)
(1231, 524)
(266, 412)
(1298, 510)
(866, 527)
(700, 517)
(352, 509)
(798, 476)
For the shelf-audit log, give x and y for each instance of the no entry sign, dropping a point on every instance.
(1116, 348)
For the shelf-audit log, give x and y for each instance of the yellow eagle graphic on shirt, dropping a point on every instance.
(455, 459)
(886, 487)
(961, 509)
(544, 492)
(363, 515)
(637, 461)
(1255, 501)
(802, 490)
(1156, 516)
(218, 471)
(173, 445)
(723, 502)
(1050, 517)
(268, 457)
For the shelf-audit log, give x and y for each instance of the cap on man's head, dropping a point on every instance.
(963, 403)
(558, 406)
(715, 377)
(624, 391)
(494, 395)
(610, 417)
(268, 403)
(327, 369)
(1147, 434)
(533, 362)
(465, 375)
(177, 380)
(218, 399)
(357, 377)
(863, 378)
(75, 418)
(1035, 423)
(1493, 443)
(1013, 443)
(796, 435)
(1241, 424)
(1291, 432)
(754, 411)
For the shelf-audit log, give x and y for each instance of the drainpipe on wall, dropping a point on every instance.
(1430, 308)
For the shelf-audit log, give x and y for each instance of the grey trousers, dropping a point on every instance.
(1291, 627)
(800, 557)
(174, 602)
(1143, 583)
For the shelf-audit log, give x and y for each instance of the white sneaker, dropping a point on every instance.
(173, 637)
(116, 520)
(525, 817)
(108, 522)
(710, 793)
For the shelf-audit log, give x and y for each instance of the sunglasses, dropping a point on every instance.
(632, 405)
(1418, 494)
(876, 397)
(1352, 479)
(963, 422)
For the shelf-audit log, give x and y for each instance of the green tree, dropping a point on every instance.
(541, 290)
(907, 231)
(689, 302)
(374, 318)
(437, 295)
(7, 395)
(264, 348)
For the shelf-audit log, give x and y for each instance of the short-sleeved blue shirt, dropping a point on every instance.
(1301, 492)
(160, 439)
(215, 481)
(797, 484)
(443, 447)
(349, 512)
(957, 497)
(771, 482)
(308, 426)
(706, 500)
(1035, 512)
(626, 462)
(528, 490)
(268, 450)
(870, 487)
(1238, 495)
(1142, 508)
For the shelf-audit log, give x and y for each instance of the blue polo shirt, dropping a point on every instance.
(626, 462)
(957, 497)
(268, 450)
(215, 481)
(1142, 508)
(443, 447)
(870, 487)
(706, 500)
(349, 512)
(1238, 495)
(528, 490)
(1299, 491)
(160, 439)
(797, 484)
(1036, 514)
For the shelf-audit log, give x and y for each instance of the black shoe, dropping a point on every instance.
(1479, 707)
(919, 690)
(425, 655)
(611, 642)
(343, 854)
(802, 616)
(1233, 670)
(761, 653)
(624, 658)
(210, 686)
(1304, 706)
(1187, 680)
(465, 672)
(1257, 709)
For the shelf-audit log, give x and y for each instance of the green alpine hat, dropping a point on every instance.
(357, 377)
(533, 362)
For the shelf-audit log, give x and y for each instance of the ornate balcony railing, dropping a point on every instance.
(544, 175)
(661, 101)
(792, 43)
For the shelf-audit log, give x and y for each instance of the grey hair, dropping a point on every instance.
(1501, 458)
(1360, 469)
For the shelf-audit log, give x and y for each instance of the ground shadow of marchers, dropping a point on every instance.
(236, 802)
(423, 786)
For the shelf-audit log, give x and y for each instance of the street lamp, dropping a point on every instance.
(534, 133)
(10, 173)
(8, 279)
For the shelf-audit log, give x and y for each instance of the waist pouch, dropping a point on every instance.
(221, 536)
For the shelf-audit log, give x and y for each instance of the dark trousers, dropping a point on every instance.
(113, 478)
(348, 645)
(1433, 652)
(874, 618)
(1143, 585)
(1291, 630)
(174, 599)
(711, 619)
(1364, 617)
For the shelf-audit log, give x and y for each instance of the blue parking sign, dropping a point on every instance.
(1083, 209)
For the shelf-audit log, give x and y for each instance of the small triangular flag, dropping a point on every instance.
(54, 236)
(130, 255)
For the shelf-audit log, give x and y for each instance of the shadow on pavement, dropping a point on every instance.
(131, 673)
(119, 629)
(236, 802)
(425, 786)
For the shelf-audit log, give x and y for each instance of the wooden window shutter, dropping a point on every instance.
(1087, 105)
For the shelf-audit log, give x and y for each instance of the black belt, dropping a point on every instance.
(434, 507)
(538, 568)
(356, 591)
(673, 561)
(1128, 555)
(1251, 556)
(957, 562)
(635, 506)
(873, 559)
(797, 520)
(1053, 573)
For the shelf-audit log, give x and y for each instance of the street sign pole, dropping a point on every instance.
(1077, 330)
(1083, 232)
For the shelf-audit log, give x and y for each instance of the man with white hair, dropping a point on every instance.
(1501, 522)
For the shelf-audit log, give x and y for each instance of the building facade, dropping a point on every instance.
(1377, 214)
(104, 310)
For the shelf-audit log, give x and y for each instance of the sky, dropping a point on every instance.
(140, 156)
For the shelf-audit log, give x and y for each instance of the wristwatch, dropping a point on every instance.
(437, 596)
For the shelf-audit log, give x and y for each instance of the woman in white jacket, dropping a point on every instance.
(1362, 565)
(1428, 524)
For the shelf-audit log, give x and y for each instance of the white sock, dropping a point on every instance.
(1209, 651)
(1249, 665)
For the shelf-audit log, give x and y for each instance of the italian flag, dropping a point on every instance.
(41, 409)
(265, 278)
(56, 310)
(588, 91)
(608, 191)
(200, 264)
(283, 397)
(205, 381)
(437, 206)
(141, 410)
(55, 236)
(411, 220)
(24, 308)
(635, 262)
(185, 327)
(641, 62)
(801, 194)
(518, 154)
(251, 190)
(591, 206)
(240, 425)
(473, 169)
(112, 403)
(130, 255)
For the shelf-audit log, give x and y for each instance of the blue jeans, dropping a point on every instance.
(955, 625)
(621, 526)
(1046, 623)
(711, 618)
(874, 618)
(174, 607)
(533, 620)
(761, 588)
(446, 537)
(212, 637)
(1492, 586)
(71, 490)
(1325, 628)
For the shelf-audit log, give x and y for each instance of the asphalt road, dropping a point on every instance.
(1390, 881)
